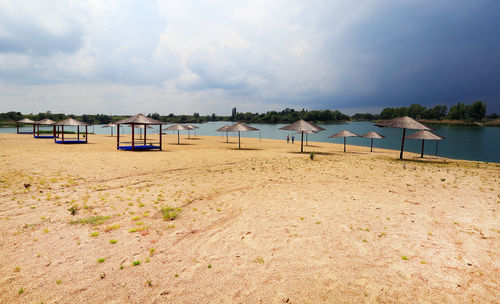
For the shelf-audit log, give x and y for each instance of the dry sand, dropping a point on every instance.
(261, 225)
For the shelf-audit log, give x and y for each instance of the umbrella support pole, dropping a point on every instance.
(239, 142)
(178, 138)
(302, 142)
(227, 137)
(344, 144)
(371, 146)
(437, 142)
(402, 144)
(422, 154)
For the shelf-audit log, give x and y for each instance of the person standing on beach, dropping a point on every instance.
(288, 139)
(293, 138)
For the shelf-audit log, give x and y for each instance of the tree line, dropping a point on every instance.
(473, 112)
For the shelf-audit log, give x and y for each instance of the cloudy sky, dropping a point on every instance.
(181, 57)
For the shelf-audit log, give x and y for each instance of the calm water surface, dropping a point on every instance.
(471, 143)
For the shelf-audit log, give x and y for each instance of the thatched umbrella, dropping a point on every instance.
(425, 135)
(403, 123)
(224, 129)
(24, 121)
(178, 127)
(138, 120)
(302, 126)
(45, 122)
(372, 135)
(193, 127)
(344, 134)
(72, 122)
(111, 125)
(240, 127)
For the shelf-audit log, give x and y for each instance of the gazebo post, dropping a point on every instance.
(133, 143)
(17, 125)
(422, 154)
(344, 144)
(117, 137)
(302, 142)
(239, 141)
(78, 132)
(307, 141)
(86, 135)
(160, 137)
(54, 131)
(371, 146)
(62, 134)
(227, 137)
(402, 144)
(178, 137)
(33, 129)
(437, 142)
(144, 134)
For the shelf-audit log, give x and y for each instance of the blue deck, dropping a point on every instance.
(139, 148)
(44, 136)
(70, 141)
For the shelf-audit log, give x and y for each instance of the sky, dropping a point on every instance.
(181, 57)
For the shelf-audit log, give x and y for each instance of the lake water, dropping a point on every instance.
(471, 143)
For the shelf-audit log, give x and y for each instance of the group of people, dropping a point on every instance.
(288, 139)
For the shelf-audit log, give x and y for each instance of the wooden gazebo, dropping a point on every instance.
(45, 122)
(72, 140)
(144, 144)
(25, 121)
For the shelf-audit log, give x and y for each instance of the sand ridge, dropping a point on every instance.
(264, 224)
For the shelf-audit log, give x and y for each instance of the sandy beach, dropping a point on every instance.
(264, 224)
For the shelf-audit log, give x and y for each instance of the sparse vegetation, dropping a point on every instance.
(93, 220)
(136, 263)
(113, 241)
(100, 260)
(170, 213)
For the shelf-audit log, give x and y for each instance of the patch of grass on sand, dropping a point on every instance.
(100, 260)
(112, 227)
(94, 234)
(404, 257)
(93, 220)
(259, 260)
(113, 241)
(136, 263)
(170, 213)
(21, 291)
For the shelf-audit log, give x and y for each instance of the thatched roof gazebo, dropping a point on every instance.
(135, 121)
(240, 127)
(25, 121)
(403, 123)
(45, 122)
(302, 126)
(193, 127)
(344, 134)
(372, 135)
(425, 135)
(178, 127)
(222, 130)
(75, 123)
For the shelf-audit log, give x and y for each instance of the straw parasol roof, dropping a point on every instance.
(140, 119)
(177, 127)
(403, 123)
(26, 121)
(424, 134)
(45, 121)
(110, 125)
(373, 135)
(70, 122)
(192, 126)
(240, 127)
(344, 134)
(317, 127)
(302, 126)
(222, 129)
